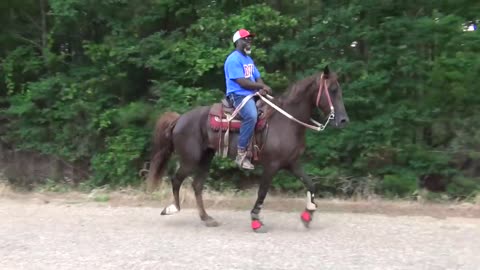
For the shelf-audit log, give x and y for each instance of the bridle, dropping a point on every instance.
(324, 86)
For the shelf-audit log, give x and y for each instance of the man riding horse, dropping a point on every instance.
(242, 78)
(194, 139)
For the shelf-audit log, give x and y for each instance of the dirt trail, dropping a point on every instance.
(127, 232)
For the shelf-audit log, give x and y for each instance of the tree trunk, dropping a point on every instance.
(44, 28)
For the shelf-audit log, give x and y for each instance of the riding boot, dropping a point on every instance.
(242, 160)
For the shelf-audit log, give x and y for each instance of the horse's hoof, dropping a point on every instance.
(262, 229)
(170, 210)
(306, 218)
(258, 226)
(211, 222)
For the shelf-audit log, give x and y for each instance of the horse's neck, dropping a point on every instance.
(301, 109)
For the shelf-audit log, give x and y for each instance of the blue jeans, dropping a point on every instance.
(249, 119)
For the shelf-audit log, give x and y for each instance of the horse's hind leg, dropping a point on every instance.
(177, 180)
(197, 185)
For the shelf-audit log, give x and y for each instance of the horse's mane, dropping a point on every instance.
(297, 90)
(294, 93)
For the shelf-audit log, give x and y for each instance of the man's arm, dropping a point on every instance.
(248, 84)
(259, 80)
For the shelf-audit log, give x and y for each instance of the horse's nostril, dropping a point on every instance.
(343, 121)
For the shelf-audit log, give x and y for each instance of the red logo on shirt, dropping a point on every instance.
(248, 70)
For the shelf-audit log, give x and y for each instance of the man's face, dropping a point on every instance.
(245, 44)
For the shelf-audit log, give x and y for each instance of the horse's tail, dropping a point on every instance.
(162, 148)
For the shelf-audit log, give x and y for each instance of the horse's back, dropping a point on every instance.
(191, 121)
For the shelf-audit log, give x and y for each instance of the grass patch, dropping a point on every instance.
(101, 198)
(53, 186)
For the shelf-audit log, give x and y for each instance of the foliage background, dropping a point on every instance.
(85, 80)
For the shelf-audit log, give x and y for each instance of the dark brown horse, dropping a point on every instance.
(192, 139)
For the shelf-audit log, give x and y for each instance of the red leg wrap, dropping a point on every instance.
(256, 224)
(306, 216)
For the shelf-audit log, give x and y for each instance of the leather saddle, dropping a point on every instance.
(220, 111)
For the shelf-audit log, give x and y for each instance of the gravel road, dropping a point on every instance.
(94, 236)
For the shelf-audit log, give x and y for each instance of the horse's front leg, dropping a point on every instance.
(266, 181)
(310, 207)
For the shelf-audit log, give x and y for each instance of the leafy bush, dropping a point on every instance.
(463, 187)
(399, 185)
(92, 82)
(115, 165)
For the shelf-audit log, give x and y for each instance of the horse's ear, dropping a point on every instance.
(326, 71)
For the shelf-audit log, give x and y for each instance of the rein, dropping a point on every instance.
(316, 125)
